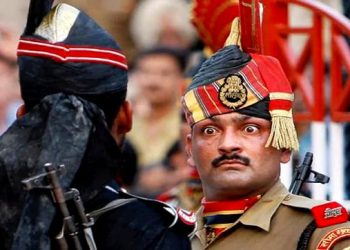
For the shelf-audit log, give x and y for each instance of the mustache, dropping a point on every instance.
(244, 160)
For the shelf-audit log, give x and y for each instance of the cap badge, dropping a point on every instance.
(233, 93)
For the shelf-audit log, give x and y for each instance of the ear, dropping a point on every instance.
(21, 111)
(188, 148)
(124, 118)
(122, 122)
(285, 156)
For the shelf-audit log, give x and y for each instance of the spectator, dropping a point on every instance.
(158, 78)
(162, 22)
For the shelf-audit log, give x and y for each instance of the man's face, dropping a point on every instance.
(230, 154)
(160, 78)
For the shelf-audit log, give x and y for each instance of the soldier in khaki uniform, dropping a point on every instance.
(239, 107)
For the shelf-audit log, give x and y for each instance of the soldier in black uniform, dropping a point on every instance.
(73, 80)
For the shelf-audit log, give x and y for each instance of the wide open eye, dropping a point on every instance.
(251, 129)
(209, 130)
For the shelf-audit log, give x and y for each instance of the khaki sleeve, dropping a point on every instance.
(336, 237)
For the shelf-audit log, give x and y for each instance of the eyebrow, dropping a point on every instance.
(241, 118)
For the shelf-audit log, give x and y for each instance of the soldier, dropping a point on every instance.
(239, 107)
(73, 79)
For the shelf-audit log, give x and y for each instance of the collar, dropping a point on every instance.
(267, 205)
(228, 207)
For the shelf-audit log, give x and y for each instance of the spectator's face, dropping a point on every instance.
(160, 78)
(171, 35)
(255, 170)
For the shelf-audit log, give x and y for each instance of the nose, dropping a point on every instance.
(229, 142)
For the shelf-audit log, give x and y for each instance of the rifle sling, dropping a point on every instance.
(109, 206)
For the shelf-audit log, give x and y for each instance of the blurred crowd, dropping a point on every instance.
(162, 48)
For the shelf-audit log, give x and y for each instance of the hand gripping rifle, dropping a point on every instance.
(70, 230)
(303, 174)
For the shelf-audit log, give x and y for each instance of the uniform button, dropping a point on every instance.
(288, 197)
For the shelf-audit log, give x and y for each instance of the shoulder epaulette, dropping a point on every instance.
(325, 213)
(330, 213)
(187, 217)
(299, 201)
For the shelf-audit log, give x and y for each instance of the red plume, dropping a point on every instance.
(213, 19)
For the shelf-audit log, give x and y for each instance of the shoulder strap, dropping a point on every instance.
(305, 237)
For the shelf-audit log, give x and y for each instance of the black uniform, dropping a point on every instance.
(161, 228)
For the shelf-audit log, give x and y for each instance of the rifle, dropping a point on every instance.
(50, 181)
(303, 173)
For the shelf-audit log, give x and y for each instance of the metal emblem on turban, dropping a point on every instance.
(233, 93)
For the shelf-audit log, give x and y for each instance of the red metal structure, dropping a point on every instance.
(276, 31)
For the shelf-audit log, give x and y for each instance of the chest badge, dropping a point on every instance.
(233, 93)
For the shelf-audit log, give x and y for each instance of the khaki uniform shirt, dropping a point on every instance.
(275, 222)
